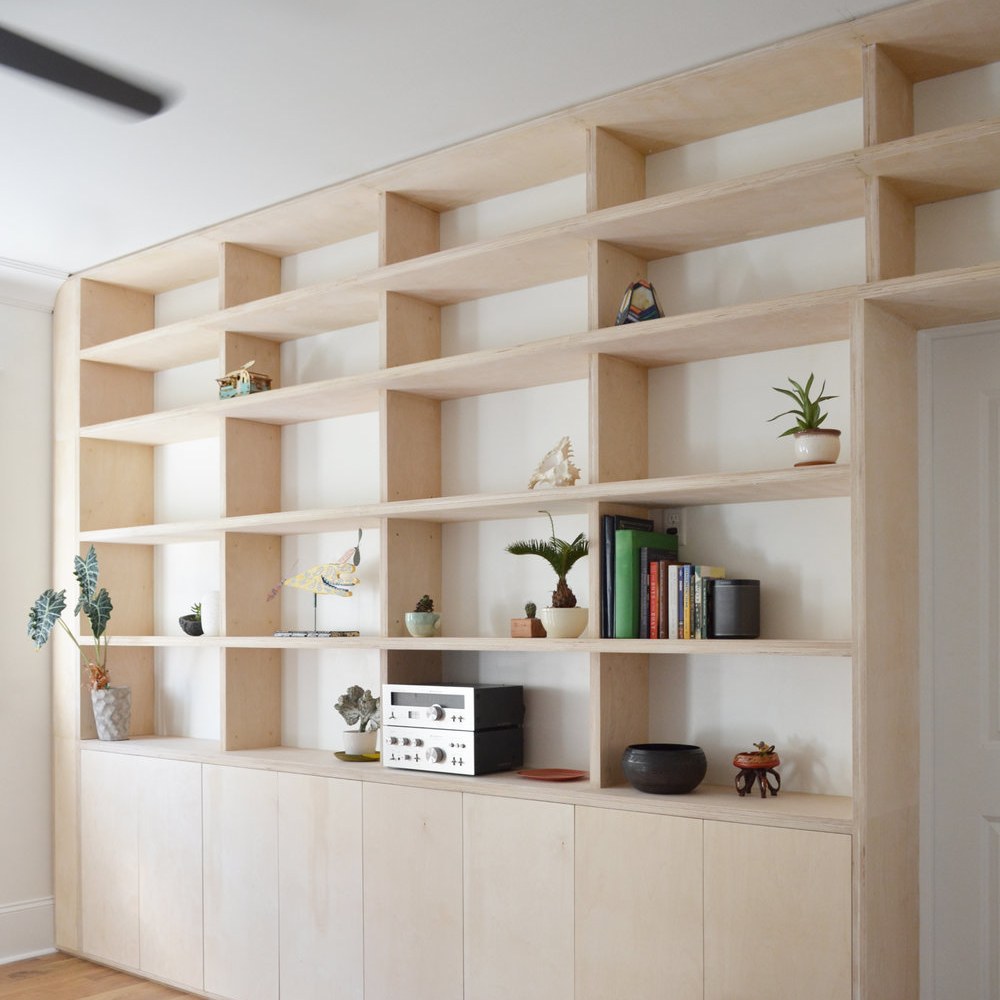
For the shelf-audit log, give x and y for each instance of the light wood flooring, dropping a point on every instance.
(63, 977)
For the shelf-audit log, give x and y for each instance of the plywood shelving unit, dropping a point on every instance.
(108, 350)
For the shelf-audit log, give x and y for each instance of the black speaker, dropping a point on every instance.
(734, 609)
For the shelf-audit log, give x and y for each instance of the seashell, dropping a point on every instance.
(556, 468)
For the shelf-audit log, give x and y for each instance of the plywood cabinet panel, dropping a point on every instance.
(241, 882)
(413, 893)
(777, 913)
(518, 899)
(638, 906)
(320, 888)
(170, 871)
(109, 834)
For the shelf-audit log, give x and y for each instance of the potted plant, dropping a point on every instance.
(814, 445)
(359, 707)
(528, 627)
(563, 619)
(423, 620)
(191, 623)
(112, 705)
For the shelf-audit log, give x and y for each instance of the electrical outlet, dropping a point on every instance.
(673, 517)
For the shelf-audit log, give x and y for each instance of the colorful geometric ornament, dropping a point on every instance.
(638, 304)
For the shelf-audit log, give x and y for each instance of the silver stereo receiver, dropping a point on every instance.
(460, 729)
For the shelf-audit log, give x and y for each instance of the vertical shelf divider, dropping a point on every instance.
(250, 564)
(885, 695)
(890, 217)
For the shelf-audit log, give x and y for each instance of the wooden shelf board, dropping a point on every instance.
(797, 197)
(829, 813)
(935, 166)
(678, 491)
(826, 648)
(810, 318)
(963, 295)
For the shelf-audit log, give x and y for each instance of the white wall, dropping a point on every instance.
(25, 726)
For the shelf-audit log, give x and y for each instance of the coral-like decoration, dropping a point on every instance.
(556, 468)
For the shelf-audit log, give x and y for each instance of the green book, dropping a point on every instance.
(626, 569)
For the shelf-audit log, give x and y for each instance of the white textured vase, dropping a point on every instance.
(817, 447)
(112, 712)
(210, 623)
(564, 623)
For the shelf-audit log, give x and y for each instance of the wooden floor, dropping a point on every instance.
(62, 977)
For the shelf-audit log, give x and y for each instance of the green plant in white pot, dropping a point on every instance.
(423, 620)
(563, 619)
(814, 444)
(112, 705)
(359, 707)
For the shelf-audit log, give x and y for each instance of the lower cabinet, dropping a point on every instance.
(142, 881)
(518, 899)
(320, 903)
(254, 885)
(777, 913)
(241, 882)
(413, 893)
(638, 906)
(170, 871)
(109, 847)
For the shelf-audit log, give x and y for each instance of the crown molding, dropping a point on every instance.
(24, 285)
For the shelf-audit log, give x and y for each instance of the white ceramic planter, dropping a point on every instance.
(818, 447)
(422, 623)
(357, 743)
(112, 712)
(564, 623)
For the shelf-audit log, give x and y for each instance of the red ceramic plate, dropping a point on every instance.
(553, 774)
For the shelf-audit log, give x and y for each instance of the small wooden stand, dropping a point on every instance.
(527, 628)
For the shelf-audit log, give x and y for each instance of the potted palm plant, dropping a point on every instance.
(563, 619)
(112, 705)
(814, 445)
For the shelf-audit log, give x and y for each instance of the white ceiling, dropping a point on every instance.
(272, 98)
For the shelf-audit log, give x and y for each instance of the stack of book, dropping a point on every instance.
(646, 591)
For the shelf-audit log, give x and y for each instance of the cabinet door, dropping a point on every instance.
(413, 893)
(170, 871)
(638, 906)
(518, 899)
(777, 913)
(320, 888)
(241, 882)
(109, 833)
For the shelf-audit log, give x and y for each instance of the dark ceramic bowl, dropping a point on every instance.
(190, 624)
(664, 768)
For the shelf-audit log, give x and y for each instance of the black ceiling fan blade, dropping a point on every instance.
(21, 53)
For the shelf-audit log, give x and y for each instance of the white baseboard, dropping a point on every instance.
(27, 929)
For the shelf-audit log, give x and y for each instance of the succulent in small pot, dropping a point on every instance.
(562, 556)
(423, 620)
(528, 627)
(360, 707)
(191, 623)
(814, 444)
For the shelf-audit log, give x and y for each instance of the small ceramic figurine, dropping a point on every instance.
(557, 468)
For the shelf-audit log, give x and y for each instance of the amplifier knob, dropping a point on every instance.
(435, 712)
(434, 755)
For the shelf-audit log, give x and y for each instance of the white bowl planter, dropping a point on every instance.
(357, 743)
(564, 623)
(422, 623)
(817, 447)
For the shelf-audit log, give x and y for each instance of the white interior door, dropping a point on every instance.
(961, 733)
